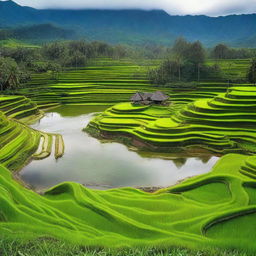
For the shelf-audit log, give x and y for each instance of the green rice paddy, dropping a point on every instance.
(223, 124)
(17, 144)
(19, 107)
(214, 210)
(232, 69)
(18, 141)
(107, 82)
(104, 82)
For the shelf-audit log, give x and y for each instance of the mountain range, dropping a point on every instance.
(134, 26)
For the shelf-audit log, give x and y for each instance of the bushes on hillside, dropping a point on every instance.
(11, 75)
(171, 71)
(77, 53)
(187, 63)
(222, 51)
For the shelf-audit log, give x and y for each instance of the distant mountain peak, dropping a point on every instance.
(9, 3)
(133, 25)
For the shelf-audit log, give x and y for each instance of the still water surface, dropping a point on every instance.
(102, 165)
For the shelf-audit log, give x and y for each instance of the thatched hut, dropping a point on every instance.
(147, 98)
(159, 97)
(137, 97)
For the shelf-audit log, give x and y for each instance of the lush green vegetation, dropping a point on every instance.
(19, 107)
(222, 51)
(222, 124)
(215, 210)
(18, 142)
(232, 70)
(13, 43)
(51, 247)
(105, 81)
(188, 62)
(37, 33)
(212, 110)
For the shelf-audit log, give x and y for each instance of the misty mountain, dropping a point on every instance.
(136, 26)
(40, 32)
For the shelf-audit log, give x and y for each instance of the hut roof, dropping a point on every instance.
(159, 96)
(137, 97)
(147, 96)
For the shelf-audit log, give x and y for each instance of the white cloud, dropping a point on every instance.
(208, 7)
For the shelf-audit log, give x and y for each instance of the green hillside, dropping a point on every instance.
(13, 43)
(202, 212)
(214, 210)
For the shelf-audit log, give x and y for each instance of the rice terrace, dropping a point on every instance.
(127, 129)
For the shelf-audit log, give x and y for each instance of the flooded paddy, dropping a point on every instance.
(103, 165)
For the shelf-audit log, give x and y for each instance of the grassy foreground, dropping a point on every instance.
(58, 248)
(216, 210)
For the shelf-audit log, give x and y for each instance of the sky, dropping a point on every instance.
(182, 7)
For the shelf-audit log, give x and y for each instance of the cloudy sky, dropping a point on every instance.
(208, 7)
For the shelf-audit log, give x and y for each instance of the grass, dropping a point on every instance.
(215, 210)
(225, 123)
(20, 107)
(196, 214)
(18, 142)
(13, 43)
(107, 81)
(58, 248)
(233, 69)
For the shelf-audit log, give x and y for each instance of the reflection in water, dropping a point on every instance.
(102, 165)
(179, 162)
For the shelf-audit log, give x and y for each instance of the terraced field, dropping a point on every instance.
(232, 69)
(212, 210)
(17, 141)
(225, 123)
(104, 82)
(20, 107)
(108, 81)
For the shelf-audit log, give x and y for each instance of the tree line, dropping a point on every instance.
(16, 64)
(222, 51)
(186, 62)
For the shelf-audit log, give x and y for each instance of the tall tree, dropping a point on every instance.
(180, 51)
(221, 51)
(252, 72)
(9, 73)
(197, 56)
(196, 53)
(181, 47)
